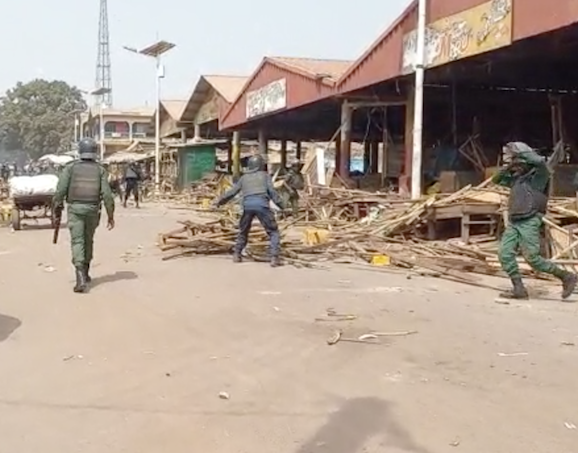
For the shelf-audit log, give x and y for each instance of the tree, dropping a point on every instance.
(38, 117)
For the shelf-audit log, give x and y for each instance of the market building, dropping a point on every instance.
(121, 127)
(171, 125)
(497, 70)
(210, 99)
(193, 143)
(286, 99)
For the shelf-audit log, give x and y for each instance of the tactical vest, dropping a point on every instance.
(84, 183)
(525, 201)
(296, 181)
(131, 173)
(254, 183)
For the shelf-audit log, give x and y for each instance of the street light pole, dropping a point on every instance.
(155, 51)
(159, 75)
(416, 162)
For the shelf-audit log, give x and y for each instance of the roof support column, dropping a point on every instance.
(374, 157)
(263, 146)
(337, 154)
(230, 156)
(384, 149)
(283, 153)
(366, 156)
(298, 150)
(197, 132)
(236, 144)
(405, 179)
(345, 151)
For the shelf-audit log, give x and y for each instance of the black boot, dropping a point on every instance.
(237, 258)
(569, 282)
(275, 261)
(517, 292)
(87, 273)
(80, 286)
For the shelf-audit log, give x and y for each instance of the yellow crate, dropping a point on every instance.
(380, 260)
(315, 236)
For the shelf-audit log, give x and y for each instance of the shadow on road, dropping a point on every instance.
(111, 278)
(8, 325)
(355, 423)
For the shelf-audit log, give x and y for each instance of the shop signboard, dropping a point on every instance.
(268, 99)
(480, 29)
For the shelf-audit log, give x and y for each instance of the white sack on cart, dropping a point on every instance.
(33, 185)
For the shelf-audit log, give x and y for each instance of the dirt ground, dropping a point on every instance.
(138, 365)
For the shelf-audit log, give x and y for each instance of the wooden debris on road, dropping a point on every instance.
(392, 229)
(337, 337)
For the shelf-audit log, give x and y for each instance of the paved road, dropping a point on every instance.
(138, 364)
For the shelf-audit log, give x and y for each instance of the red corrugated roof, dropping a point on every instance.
(325, 71)
(378, 43)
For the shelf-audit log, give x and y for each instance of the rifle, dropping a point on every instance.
(56, 221)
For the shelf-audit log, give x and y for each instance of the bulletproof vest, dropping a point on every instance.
(131, 173)
(296, 181)
(254, 183)
(84, 183)
(525, 201)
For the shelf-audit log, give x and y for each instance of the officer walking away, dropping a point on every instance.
(83, 184)
(132, 178)
(527, 175)
(295, 182)
(257, 190)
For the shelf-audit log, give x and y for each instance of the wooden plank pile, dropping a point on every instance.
(392, 230)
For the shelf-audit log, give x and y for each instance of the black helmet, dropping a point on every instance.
(87, 149)
(256, 163)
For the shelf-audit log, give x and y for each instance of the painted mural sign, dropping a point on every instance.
(477, 30)
(267, 99)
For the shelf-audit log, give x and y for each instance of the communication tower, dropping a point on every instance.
(103, 73)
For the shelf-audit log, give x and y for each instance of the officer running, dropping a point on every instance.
(83, 184)
(257, 190)
(528, 177)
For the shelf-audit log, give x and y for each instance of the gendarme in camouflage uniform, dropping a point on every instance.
(527, 176)
(83, 184)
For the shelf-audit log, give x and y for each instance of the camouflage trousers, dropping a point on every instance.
(82, 227)
(524, 236)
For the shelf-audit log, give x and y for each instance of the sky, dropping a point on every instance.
(58, 39)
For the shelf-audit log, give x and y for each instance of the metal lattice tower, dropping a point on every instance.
(103, 73)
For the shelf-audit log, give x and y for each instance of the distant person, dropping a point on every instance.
(132, 178)
(295, 182)
(5, 172)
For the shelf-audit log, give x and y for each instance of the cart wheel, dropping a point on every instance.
(16, 219)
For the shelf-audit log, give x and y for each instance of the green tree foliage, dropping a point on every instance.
(38, 117)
